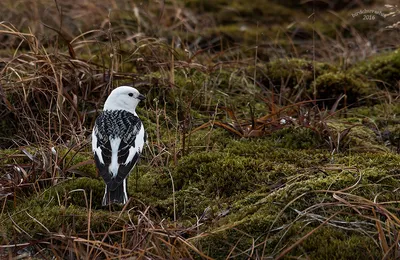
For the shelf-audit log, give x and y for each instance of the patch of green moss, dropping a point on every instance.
(381, 113)
(77, 192)
(57, 219)
(247, 35)
(150, 185)
(262, 213)
(241, 11)
(212, 139)
(6, 157)
(383, 160)
(296, 138)
(243, 166)
(293, 74)
(393, 133)
(335, 4)
(326, 242)
(329, 242)
(189, 203)
(216, 173)
(155, 188)
(359, 138)
(265, 149)
(64, 208)
(331, 85)
(364, 139)
(77, 162)
(384, 68)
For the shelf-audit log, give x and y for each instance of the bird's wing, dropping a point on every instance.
(117, 141)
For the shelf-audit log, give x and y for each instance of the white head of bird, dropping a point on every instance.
(124, 98)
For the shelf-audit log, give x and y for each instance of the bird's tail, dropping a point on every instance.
(118, 195)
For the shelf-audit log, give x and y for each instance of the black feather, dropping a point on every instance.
(117, 123)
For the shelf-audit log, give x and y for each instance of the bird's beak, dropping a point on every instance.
(141, 97)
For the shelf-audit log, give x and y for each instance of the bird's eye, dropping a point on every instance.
(130, 94)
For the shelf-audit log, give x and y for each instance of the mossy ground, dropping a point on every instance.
(263, 189)
(259, 190)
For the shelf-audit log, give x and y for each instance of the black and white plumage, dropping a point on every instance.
(118, 138)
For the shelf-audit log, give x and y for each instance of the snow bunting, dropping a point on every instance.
(117, 142)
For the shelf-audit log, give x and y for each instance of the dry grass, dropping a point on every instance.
(142, 237)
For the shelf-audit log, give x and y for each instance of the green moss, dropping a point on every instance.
(76, 162)
(331, 85)
(64, 208)
(359, 138)
(394, 136)
(384, 68)
(293, 74)
(365, 139)
(246, 35)
(8, 156)
(381, 113)
(329, 242)
(264, 149)
(243, 166)
(326, 242)
(215, 173)
(77, 192)
(296, 138)
(149, 184)
(261, 212)
(213, 139)
(241, 11)
(251, 181)
(189, 204)
(386, 161)
(335, 4)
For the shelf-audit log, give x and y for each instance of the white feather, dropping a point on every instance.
(95, 149)
(139, 142)
(132, 152)
(119, 99)
(113, 168)
(105, 196)
(125, 193)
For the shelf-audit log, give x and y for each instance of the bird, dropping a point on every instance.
(118, 138)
